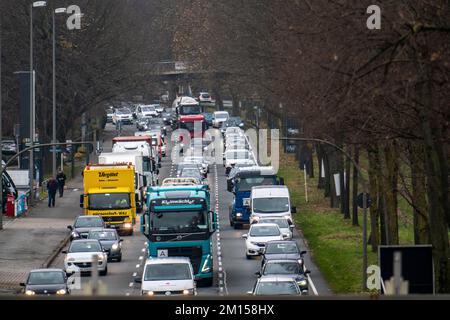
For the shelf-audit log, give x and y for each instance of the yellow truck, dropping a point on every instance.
(109, 193)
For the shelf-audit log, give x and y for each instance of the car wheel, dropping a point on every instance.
(104, 272)
(237, 226)
(119, 259)
(249, 257)
(208, 282)
(231, 223)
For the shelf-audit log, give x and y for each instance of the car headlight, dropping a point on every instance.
(128, 225)
(70, 259)
(75, 234)
(238, 214)
(61, 291)
(30, 293)
(186, 291)
(115, 246)
(206, 268)
(149, 293)
(302, 283)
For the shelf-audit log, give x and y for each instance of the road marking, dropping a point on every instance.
(127, 294)
(143, 250)
(135, 274)
(138, 265)
(313, 287)
(131, 284)
(141, 257)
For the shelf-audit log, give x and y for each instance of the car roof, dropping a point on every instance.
(84, 240)
(270, 191)
(89, 217)
(281, 261)
(276, 278)
(47, 270)
(282, 242)
(264, 224)
(102, 230)
(167, 260)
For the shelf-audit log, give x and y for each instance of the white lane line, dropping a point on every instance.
(141, 257)
(131, 284)
(311, 284)
(135, 274)
(127, 294)
(138, 265)
(143, 250)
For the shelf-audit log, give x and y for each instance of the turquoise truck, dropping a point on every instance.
(179, 222)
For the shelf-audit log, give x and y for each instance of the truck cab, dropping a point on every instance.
(241, 186)
(109, 192)
(179, 223)
(192, 123)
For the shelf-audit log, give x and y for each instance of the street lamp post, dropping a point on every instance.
(56, 11)
(36, 4)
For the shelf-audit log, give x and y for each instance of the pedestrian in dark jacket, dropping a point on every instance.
(61, 178)
(52, 187)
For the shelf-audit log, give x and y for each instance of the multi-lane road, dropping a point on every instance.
(234, 274)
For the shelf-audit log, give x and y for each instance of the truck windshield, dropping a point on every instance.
(187, 110)
(109, 201)
(270, 205)
(167, 271)
(190, 126)
(179, 221)
(246, 184)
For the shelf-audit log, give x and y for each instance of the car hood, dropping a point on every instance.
(83, 256)
(282, 256)
(85, 229)
(107, 244)
(168, 285)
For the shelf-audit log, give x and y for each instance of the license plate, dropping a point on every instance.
(246, 202)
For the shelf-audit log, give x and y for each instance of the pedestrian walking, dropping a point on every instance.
(52, 187)
(61, 178)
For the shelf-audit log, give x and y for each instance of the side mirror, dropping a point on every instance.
(144, 179)
(138, 280)
(303, 252)
(22, 284)
(281, 181)
(107, 250)
(121, 240)
(307, 271)
(294, 210)
(292, 227)
(245, 236)
(258, 274)
(64, 252)
(81, 200)
(70, 228)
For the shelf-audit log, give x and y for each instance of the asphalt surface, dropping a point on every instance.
(234, 274)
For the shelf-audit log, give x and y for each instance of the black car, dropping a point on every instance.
(286, 268)
(109, 239)
(83, 225)
(282, 250)
(46, 282)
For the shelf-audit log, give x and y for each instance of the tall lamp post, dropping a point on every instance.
(37, 4)
(56, 11)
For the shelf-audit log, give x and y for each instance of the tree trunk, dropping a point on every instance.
(389, 165)
(375, 207)
(355, 188)
(419, 200)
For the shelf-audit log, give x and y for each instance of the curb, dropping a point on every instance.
(55, 253)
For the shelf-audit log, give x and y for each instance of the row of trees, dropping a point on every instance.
(380, 94)
(105, 61)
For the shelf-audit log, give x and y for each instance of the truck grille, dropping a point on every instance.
(194, 253)
(114, 219)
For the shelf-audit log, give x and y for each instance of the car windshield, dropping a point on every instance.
(85, 246)
(179, 221)
(271, 205)
(46, 277)
(188, 172)
(103, 235)
(123, 111)
(291, 267)
(167, 271)
(205, 95)
(246, 184)
(221, 115)
(89, 222)
(104, 201)
(147, 109)
(264, 231)
(277, 288)
(281, 222)
(281, 248)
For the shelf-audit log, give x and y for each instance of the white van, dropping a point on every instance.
(167, 276)
(273, 201)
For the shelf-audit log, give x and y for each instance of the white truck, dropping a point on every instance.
(144, 145)
(270, 201)
(140, 180)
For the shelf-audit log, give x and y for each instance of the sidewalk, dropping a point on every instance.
(27, 242)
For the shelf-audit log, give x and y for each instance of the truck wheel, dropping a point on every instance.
(237, 226)
(208, 282)
(231, 223)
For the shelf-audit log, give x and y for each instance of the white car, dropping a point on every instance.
(167, 277)
(123, 114)
(159, 108)
(80, 255)
(204, 97)
(219, 117)
(238, 156)
(258, 236)
(233, 130)
(199, 160)
(285, 228)
(146, 111)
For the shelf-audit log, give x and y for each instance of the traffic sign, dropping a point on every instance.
(360, 203)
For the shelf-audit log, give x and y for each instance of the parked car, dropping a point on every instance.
(109, 239)
(275, 286)
(84, 224)
(258, 236)
(167, 276)
(285, 250)
(288, 268)
(80, 254)
(46, 282)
